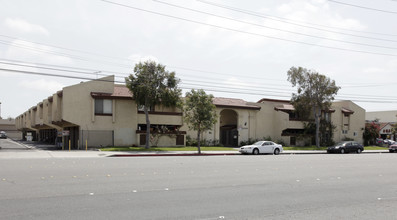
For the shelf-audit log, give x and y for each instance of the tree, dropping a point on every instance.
(315, 93)
(199, 112)
(152, 85)
(371, 132)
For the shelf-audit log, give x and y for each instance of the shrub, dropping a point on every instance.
(279, 141)
(268, 138)
(193, 142)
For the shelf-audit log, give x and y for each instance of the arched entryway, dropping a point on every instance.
(228, 128)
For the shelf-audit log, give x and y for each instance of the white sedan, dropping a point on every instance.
(262, 147)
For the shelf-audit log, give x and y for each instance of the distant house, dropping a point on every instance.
(8, 126)
(386, 130)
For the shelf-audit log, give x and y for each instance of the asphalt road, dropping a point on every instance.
(9, 145)
(323, 186)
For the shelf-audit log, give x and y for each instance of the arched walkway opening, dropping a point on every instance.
(228, 128)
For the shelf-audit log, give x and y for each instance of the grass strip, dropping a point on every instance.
(167, 149)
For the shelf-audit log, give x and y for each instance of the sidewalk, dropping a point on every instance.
(39, 154)
(40, 150)
(221, 153)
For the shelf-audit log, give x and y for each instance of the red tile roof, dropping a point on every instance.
(347, 111)
(121, 91)
(285, 107)
(235, 103)
(382, 125)
(273, 100)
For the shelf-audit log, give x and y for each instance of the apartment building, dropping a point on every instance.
(276, 119)
(101, 113)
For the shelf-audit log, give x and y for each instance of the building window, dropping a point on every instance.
(344, 131)
(103, 107)
(293, 115)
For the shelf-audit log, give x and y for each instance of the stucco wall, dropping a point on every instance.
(271, 123)
(356, 126)
(245, 120)
(78, 108)
(382, 116)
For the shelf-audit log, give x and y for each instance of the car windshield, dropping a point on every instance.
(341, 144)
(259, 143)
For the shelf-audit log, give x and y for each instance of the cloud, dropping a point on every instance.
(23, 50)
(318, 11)
(41, 85)
(373, 70)
(24, 26)
(136, 58)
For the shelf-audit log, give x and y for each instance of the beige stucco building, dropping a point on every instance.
(382, 116)
(101, 113)
(275, 119)
(8, 126)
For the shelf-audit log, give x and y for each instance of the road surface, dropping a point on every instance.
(323, 186)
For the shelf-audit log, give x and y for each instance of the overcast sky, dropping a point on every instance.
(235, 49)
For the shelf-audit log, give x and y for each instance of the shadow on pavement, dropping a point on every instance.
(39, 145)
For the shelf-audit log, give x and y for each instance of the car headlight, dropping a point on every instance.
(337, 147)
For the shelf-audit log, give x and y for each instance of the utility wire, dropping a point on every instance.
(272, 28)
(256, 14)
(363, 7)
(282, 19)
(128, 67)
(212, 83)
(54, 75)
(60, 66)
(64, 48)
(207, 89)
(175, 67)
(63, 54)
(249, 33)
(49, 68)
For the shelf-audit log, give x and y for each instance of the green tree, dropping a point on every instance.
(152, 85)
(199, 112)
(371, 132)
(315, 93)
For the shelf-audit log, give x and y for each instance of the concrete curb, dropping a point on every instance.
(173, 155)
(213, 153)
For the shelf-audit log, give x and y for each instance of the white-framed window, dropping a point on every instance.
(344, 131)
(103, 107)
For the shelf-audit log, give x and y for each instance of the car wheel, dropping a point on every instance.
(276, 151)
(358, 150)
(391, 151)
(255, 151)
(342, 151)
